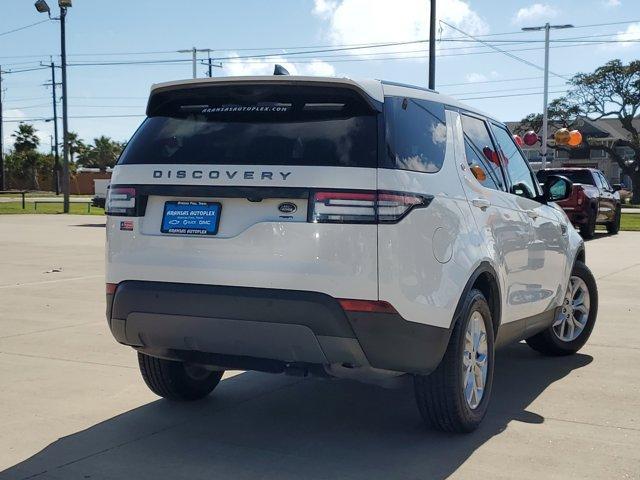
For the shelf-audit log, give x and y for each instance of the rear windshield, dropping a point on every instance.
(576, 176)
(257, 125)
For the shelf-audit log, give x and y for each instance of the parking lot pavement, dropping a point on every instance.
(72, 403)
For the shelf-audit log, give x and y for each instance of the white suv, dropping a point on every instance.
(325, 226)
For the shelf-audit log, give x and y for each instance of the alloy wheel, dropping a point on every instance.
(572, 319)
(475, 360)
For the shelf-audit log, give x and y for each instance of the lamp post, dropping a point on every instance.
(43, 7)
(545, 133)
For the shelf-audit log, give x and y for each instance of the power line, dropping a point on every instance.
(45, 119)
(344, 46)
(510, 55)
(500, 90)
(509, 95)
(22, 28)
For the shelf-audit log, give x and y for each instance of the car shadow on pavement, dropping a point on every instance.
(90, 225)
(263, 426)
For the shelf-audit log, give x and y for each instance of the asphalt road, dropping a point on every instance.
(73, 406)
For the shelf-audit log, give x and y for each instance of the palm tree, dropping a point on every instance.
(25, 138)
(76, 145)
(102, 154)
(25, 144)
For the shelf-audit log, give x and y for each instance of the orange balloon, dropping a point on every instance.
(562, 136)
(575, 138)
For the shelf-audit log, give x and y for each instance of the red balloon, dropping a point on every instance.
(530, 138)
(518, 140)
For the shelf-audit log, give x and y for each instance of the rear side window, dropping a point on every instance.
(476, 158)
(522, 179)
(257, 125)
(416, 134)
(477, 136)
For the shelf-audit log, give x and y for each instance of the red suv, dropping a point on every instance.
(593, 200)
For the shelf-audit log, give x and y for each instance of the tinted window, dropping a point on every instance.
(477, 135)
(521, 177)
(416, 134)
(576, 176)
(257, 125)
(476, 158)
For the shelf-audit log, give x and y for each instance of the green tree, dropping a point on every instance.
(25, 154)
(102, 154)
(76, 145)
(25, 138)
(611, 91)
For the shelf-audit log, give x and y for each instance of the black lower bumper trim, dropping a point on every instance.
(241, 325)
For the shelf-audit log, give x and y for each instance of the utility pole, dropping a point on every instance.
(210, 65)
(432, 46)
(194, 57)
(2, 183)
(545, 117)
(56, 162)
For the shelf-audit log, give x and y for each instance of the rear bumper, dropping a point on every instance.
(237, 327)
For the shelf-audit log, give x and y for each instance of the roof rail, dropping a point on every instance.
(406, 85)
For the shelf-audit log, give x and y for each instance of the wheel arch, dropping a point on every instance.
(485, 279)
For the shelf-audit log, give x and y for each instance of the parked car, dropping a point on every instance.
(100, 192)
(321, 226)
(593, 201)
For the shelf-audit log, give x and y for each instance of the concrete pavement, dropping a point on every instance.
(72, 403)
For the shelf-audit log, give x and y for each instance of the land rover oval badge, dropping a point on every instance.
(287, 207)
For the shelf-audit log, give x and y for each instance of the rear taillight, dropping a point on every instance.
(121, 201)
(364, 206)
(111, 288)
(369, 306)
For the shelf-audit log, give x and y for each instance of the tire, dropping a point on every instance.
(614, 226)
(588, 230)
(549, 342)
(441, 395)
(177, 380)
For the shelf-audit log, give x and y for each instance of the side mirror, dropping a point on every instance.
(617, 187)
(556, 188)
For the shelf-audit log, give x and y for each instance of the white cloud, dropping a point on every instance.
(474, 77)
(43, 130)
(611, 3)
(537, 11)
(241, 67)
(632, 32)
(378, 21)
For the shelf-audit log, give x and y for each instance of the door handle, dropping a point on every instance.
(481, 203)
(532, 214)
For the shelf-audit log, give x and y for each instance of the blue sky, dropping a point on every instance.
(120, 28)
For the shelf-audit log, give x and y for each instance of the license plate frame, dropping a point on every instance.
(185, 212)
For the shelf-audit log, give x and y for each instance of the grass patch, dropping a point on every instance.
(630, 222)
(45, 208)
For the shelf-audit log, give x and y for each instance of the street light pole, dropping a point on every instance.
(545, 100)
(43, 7)
(65, 118)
